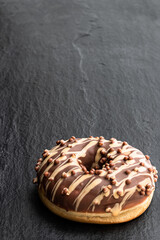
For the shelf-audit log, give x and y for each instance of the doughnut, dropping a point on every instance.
(94, 180)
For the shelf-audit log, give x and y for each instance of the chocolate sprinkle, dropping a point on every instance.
(101, 137)
(148, 186)
(113, 182)
(50, 160)
(147, 157)
(111, 150)
(36, 168)
(103, 160)
(64, 175)
(103, 152)
(128, 172)
(65, 191)
(39, 160)
(128, 181)
(98, 172)
(120, 193)
(111, 164)
(100, 144)
(58, 142)
(70, 160)
(62, 142)
(126, 158)
(142, 192)
(119, 150)
(46, 154)
(115, 168)
(142, 164)
(108, 210)
(113, 140)
(150, 169)
(56, 161)
(46, 174)
(105, 189)
(148, 193)
(73, 172)
(62, 154)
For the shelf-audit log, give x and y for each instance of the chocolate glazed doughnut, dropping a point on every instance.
(94, 180)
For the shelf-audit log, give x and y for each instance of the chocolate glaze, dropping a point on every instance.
(84, 191)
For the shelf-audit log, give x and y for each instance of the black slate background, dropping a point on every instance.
(74, 68)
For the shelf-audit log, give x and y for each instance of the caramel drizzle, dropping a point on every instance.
(126, 150)
(59, 183)
(92, 183)
(78, 181)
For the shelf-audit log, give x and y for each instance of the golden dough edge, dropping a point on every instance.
(96, 218)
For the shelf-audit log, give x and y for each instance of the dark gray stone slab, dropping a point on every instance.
(75, 68)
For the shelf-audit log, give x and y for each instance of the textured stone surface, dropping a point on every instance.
(74, 68)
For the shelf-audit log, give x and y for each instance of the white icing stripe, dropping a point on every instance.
(85, 191)
(137, 155)
(115, 144)
(97, 157)
(78, 181)
(118, 158)
(97, 200)
(91, 180)
(82, 153)
(59, 183)
(62, 167)
(76, 169)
